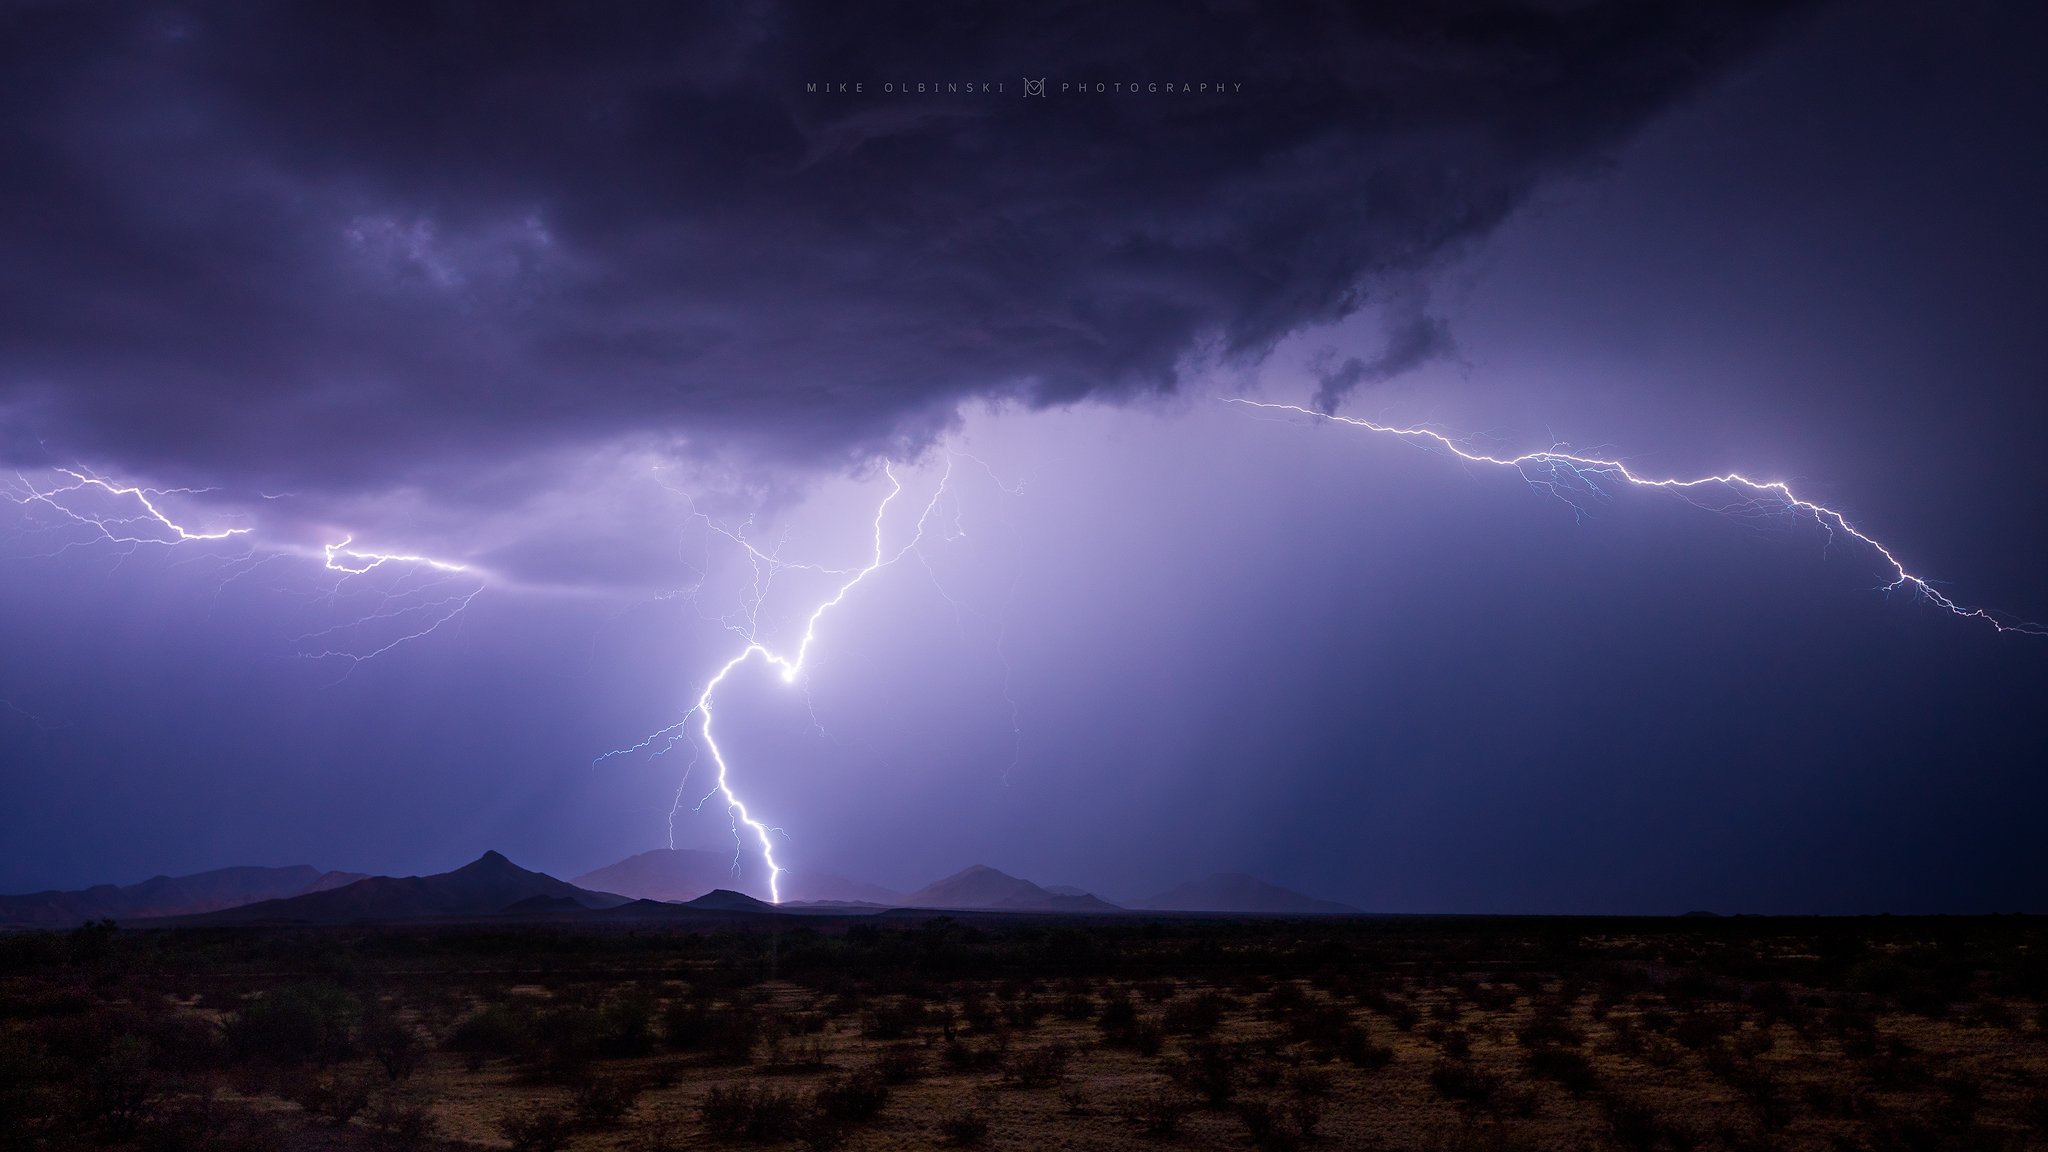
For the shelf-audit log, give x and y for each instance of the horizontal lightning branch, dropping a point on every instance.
(1563, 473)
(130, 516)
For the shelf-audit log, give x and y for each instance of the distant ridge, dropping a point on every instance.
(1236, 892)
(663, 874)
(489, 885)
(687, 873)
(168, 895)
(663, 884)
(983, 887)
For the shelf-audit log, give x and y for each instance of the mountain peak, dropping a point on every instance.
(490, 864)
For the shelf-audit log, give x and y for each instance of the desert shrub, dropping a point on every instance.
(1455, 1042)
(1160, 1114)
(1024, 1011)
(764, 1116)
(1280, 1127)
(1570, 1069)
(25, 1094)
(622, 1027)
(902, 1064)
(1197, 1015)
(1309, 1082)
(1261, 1120)
(118, 1089)
(1081, 1006)
(2035, 1113)
(333, 1099)
(1699, 1029)
(394, 1044)
(1358, 1050)
(1463, 1084)
(565, 1042)
(198, 1122)
(1633, 1124)
(855, 1098)
(1622, 1037)
(965, 1129)
(1210, 1070)
(1282, 1000)
(1041, 1067)
(1549, 1031)
(818, 1132)
(1148, 1038)
(295, 1024)
(725, 1112)
(538, 1130)
(724, 1035)
(177, 1040)
(1118, 1019)
(604, 1101)
(894, 1021)
(493, 1030)
(399, 1124)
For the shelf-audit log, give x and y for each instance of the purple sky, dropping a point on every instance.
(546, 297)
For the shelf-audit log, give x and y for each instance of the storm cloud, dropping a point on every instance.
(307, 244)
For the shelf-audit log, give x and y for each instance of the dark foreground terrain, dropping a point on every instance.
(1023, 1033)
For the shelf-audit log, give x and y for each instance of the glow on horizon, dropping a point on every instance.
(1577, 466)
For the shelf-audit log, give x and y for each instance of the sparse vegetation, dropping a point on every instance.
(1467, 1036)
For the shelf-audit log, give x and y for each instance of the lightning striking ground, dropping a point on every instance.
(790, 662)
(1564, 473)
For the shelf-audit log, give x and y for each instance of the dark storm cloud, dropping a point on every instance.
(1413, 338)
(315, 243)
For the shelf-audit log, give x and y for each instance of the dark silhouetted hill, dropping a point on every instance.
(491, 885)
(725, 900)
(1236, 892)
(168, 895)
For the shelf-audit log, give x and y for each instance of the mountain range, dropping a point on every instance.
(169, 895)
(662, 884)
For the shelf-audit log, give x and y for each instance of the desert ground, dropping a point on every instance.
(1028, 1032)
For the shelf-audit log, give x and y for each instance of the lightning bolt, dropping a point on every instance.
(407, 604)
(138, 518)
(341, 558)
(790, 662)
(1565, 474)
(148, 524)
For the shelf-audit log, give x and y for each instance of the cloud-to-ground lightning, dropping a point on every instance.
(791, 660)
(1565, 473)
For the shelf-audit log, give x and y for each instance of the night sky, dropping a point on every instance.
(554, 307)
